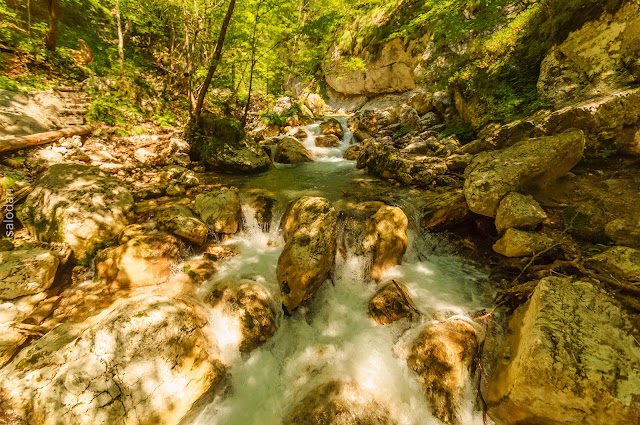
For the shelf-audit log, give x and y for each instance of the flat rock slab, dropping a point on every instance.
(26, 272)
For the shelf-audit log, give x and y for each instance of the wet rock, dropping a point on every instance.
(144, 362)
(388, 236)
(78, 205)
(247, 309)
(143, 260)
(519, 243)
(263, 205)
(220, 209)
(332, 127)
(443, 211)
(620, 261)
(175, 190)
(442, 356)
(199, 270)
(624, 231)
(310, 230)
(535, 162)
(390, 304)
(352, 153)
(222, 146)
(569, 358)
(181, 221)
(218, 252)
(328, 141)
(291, 151)
(586, 221)
(520, 212)
(338, 403)
(26, 271)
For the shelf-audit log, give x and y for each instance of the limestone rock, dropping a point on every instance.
(624, 231)
(79, 205)
(181, 221)
(143, 260)
(328, 141)
(222, 146)
(600, 56)
(26, 271)
(247, 309)
(352, 153)
(621, 261)
(519, 243)
(199, 270)
(310, 229)
(376, 229)
(442, 356)
(146, 361)
(390, 304)
(520, 212)
(220, 209)
(263, 205)
(569, 358)
(332, 126)
(338, 403)
(492, 175)
(442, 211)
(390, 72)
(421, 100)
(290, 151)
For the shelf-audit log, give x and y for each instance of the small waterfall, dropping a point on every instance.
(332, 337)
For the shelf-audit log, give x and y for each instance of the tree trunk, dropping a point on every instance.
(120, 32)
(52, 35)
(214, 62)
(253, 64)
(42, 138)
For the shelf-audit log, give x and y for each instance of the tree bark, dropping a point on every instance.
(42, 138)
(52, 36)
(254, 43)
(214, 62)
(120, 32)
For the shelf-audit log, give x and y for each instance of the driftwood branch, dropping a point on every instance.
(42, 138)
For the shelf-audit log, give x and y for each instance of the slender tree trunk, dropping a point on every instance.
(253, 64)
(29, 17)
(214, 61)
(52, 36)
(120, 32)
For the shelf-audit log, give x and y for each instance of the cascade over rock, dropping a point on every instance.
(289, 150)
(569, 358)
(533, 162)
(220, 209)
(79, 205)
(310, 229)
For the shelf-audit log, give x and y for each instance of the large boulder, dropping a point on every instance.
(79, 205)
(620, 261)
(310, 230)
(569, 358)
(220, 209)
(181, 221)
(331, 127)
(338, 403)
(520, 243)
(222, 146)
(600, 56)
(143, 260)
(519, 211)
(290, 151)
(247, 311)
(26, 272)
(146, 361)
(534, 162)
(442, 356)
(376, 229)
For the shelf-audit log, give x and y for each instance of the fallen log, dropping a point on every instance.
(42, 138)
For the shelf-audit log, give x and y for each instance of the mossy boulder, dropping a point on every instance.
(220, 143)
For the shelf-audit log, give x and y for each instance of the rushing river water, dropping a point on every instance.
(332, 337)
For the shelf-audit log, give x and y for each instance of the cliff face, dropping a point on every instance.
(498, 59)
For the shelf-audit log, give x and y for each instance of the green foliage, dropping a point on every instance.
(114, 109)
(7, 84)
